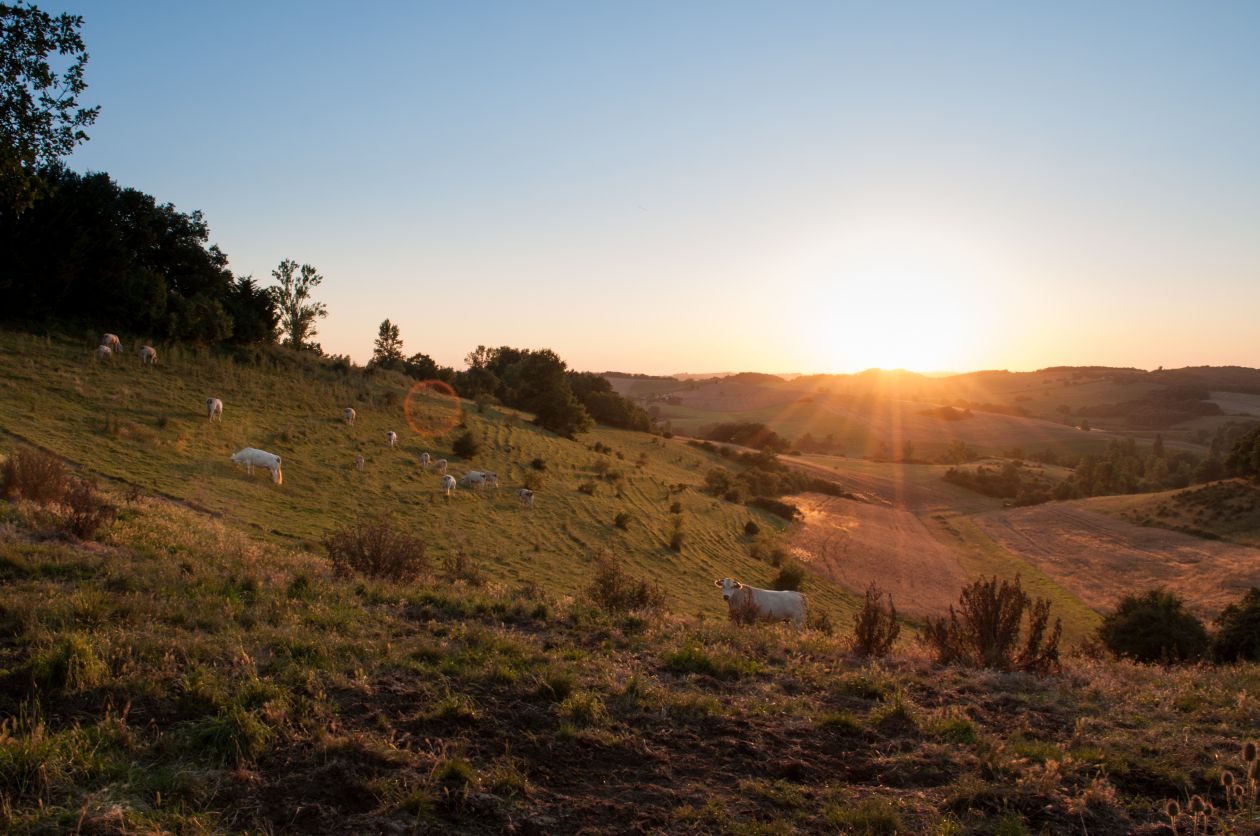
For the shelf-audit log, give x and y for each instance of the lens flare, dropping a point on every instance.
(432, 407)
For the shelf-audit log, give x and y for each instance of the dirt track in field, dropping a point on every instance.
(1100, 559)
(855, 544)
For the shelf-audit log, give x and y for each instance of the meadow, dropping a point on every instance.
(198, 666)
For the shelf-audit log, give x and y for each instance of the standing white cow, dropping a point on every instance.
(448, 485)
(348, 415)
(472, 478)
(214, 410)
(770, 604)
(148, 355)
(424, 460)
(112, 341)
(104, 353)
(441, 466)
(526, 496)
(252, 457)
(391, 438)
(359, 460)
(492, 479)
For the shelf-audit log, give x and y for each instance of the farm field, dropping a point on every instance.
(1101, 558)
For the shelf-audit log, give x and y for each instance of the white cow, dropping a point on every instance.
(424, 459)
(348, 415)
(526, 496)
(391, 438)
(214, 409)
(148, 355)
(771, 604)
(111, 341)
(441, 465)
(492, 478)
(104, 353)
(448, 485)
(358, 460)
(252, 457)
(472, 478)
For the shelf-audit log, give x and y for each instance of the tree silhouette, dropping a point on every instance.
(388, 348)
(40, 120)
(292, 298)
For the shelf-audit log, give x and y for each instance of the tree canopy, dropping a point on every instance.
(40, 117)
(292, 298)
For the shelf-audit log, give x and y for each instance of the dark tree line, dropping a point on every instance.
(94, 252)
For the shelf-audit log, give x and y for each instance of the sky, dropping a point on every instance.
(663, 187)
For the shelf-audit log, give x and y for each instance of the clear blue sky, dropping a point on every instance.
(716, 186)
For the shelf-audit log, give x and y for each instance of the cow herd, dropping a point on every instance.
(767, 604)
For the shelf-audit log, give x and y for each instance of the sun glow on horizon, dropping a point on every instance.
(892, 302)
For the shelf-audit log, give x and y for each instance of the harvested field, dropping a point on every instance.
(1100, 558)
(855, 544)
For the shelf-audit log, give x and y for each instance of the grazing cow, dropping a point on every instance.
(252, 457)
(472, 477)
(492, 478)
(104, 353)
(214, 409)
(348, 415)
(526, 496)
(358, 460)
(441, 466)
(448, 485)
(770, 604)
(148, 355)
(391, 438)
(111, 341)
(424, 459)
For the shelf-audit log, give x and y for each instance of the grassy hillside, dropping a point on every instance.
(185, 676)
(1227, 510)
(145, 426)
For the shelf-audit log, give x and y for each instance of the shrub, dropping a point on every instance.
(461, 567)
(538, 464)
(615, 591)
(1153, 627)
(791, 576)
(36, 476)
(622, 521)
(786, 510)
(377, 550)
(466, 445)
(752, 529)
(588, 488)
(985, 630)
(875, 626)
(86, 511)
(1238, 630)
(676, 538)
(675, 508)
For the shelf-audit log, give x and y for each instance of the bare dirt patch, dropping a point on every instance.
(855, 544)
(1100, 559)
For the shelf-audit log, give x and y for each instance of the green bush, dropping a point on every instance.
(466, 446)
(791, 576)
(622, 521)
(615, 591)
(1154, 627)
(752, 529)
(1238, 630)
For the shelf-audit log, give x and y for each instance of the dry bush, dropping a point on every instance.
(461, 567)
(985, 630)
(875, 626)
(375, 549)
(615, 591)
(743, 610)
(86, 511)
(36, 476)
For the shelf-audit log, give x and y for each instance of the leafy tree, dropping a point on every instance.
(253, 312)
(293, 299)
(388, 348)
(1244, 457)
(1153, 627)
(423, 367)
(1238, 630)
(40, 117)
(1158, 448)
